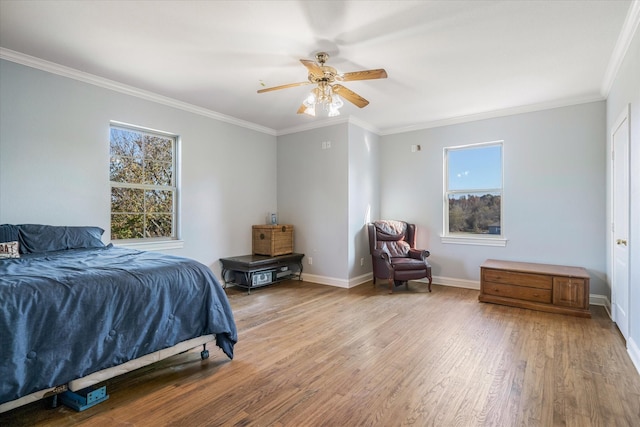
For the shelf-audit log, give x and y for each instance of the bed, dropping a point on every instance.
(74, 311)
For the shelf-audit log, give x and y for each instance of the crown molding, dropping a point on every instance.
(495, 114)
(331, 122)
(61, 70)
(511, 111)
(313, 125)
(364, 125)
(625, 38)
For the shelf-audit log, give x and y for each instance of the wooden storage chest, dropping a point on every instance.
(553, 288)
(272, 240)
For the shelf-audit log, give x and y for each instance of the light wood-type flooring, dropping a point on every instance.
(313, 355)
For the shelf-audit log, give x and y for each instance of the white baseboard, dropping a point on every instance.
(359, 280)
(340, 283)
(456, 283)
(324, 280)
(594, 299)
(601, 300)
(355, 281)
(634, 353)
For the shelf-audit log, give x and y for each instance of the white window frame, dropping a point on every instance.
(154, 243)
(471, 239)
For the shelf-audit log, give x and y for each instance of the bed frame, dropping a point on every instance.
(105, 374)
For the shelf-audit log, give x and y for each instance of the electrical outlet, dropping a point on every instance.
(310, 260)
(361, 261)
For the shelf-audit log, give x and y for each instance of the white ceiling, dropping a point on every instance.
(446, 60)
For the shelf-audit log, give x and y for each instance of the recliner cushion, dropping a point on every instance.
(391, 234)
(400, 263)
(390, 229)
(395, 248)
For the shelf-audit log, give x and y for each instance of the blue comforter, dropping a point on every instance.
(67, 314)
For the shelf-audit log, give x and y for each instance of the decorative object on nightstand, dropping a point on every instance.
(272, 240)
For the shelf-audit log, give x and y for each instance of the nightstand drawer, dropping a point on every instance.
(517, 292)
(522, 279)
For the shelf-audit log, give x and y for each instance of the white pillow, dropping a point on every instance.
(10, 250)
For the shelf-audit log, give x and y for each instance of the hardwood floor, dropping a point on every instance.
(312, 355)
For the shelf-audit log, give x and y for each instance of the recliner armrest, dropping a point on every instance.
(420, 254)
(382, 253)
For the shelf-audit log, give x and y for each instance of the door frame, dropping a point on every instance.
(624, 115)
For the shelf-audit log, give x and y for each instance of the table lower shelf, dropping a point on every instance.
(254, 271)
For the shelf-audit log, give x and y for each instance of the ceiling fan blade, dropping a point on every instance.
(379, 73)
(350, 95)
(312, 67)
(269, 89)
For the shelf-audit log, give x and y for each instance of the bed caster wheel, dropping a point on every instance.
(204, 354)
(51, 402)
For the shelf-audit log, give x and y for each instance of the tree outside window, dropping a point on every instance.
(143, 189)
(473, 190)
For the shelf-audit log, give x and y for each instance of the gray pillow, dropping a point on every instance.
(8, 233)
(38, 238)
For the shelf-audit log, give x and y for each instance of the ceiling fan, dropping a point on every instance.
(327, 93)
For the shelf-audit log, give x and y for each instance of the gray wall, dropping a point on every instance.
(624, 92)
(329, 195)
(364, 199)
(54, 162)
(554, 190)
(313, 196)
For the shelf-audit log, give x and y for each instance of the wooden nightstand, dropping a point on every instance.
(552, 288)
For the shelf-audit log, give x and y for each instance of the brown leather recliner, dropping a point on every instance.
(392, 245)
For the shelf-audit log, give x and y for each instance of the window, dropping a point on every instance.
(143, 184)
(473, 194)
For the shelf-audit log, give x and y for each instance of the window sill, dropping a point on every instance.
(154, 245)
(472, 240)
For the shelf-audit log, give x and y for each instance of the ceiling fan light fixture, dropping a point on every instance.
(333, 111)
(323, 96)
(336, 101)
(310, 110)
(310, 100)
(334, 105)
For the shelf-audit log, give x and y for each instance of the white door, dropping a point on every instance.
(620, 229)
